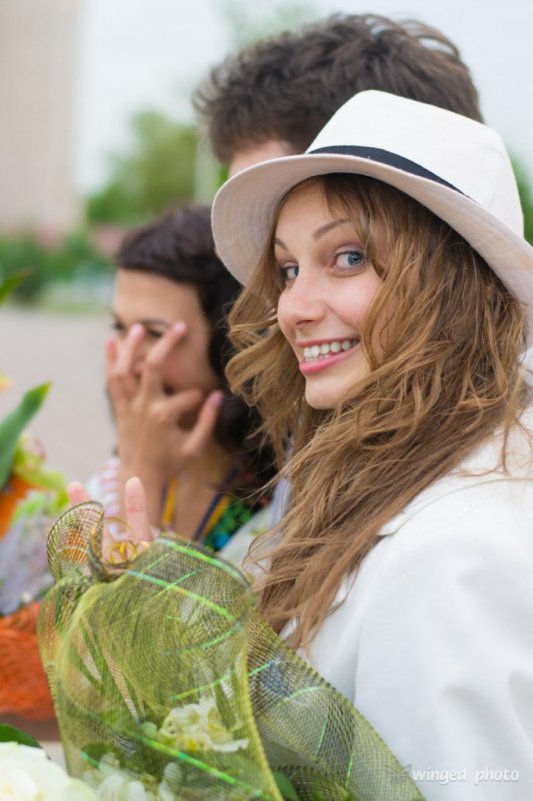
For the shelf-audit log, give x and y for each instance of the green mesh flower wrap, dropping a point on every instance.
(168, 685)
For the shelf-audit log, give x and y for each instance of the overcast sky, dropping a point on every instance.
(139, 54)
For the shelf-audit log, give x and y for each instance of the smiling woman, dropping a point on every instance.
(328, 290)
(381, 336)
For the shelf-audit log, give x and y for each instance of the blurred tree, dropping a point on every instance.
(19, 253)
(64, 261)
(158, 172)
(526, 198)
(167, 165)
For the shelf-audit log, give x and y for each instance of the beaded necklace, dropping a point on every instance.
(216, 509)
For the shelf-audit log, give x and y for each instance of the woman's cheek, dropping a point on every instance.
(172, 376)
(282, 320)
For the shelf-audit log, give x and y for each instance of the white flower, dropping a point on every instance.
(198, 727)
(169, 787)
(26, 774)
(123, 788)
(116, 783)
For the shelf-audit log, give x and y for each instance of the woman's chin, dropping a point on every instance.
(321, 400)
(330, 394)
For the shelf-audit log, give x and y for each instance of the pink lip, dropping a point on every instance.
(307, 368)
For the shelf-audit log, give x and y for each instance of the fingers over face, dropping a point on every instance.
(158, 354)
(111, 352)
(127, 349)
(182, 403)
(120, 363)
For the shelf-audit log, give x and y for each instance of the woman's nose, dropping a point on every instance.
(302, 302)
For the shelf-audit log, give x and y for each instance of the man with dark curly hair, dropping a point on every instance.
(273, 97)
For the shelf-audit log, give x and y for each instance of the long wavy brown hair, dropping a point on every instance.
(446, 374)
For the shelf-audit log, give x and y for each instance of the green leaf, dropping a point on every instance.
(317, 795)
(12, 426)
(12, 282)
(50, 481)
(285, 786)
(9, 734)
(224, 708)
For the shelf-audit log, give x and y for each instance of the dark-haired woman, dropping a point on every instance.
(179, 429)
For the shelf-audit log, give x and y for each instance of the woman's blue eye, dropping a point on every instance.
(289, 273)
(349, 258)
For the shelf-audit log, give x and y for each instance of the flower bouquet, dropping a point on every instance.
(26, 773)
(168, 684)
(30, 498)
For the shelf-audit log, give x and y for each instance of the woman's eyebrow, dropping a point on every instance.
(316, 234)
(145, 321)
(154, 321)
(327, 227)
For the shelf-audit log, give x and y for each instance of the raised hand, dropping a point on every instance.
(156, 437)
(137, 525)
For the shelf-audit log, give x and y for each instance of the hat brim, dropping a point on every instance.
(244, 208)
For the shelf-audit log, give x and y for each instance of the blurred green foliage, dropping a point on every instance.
(526, 198)
(71, 258)
(157, 173)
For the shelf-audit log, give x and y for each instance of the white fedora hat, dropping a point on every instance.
(456, 167)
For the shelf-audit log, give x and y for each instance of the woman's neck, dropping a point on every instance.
(198, 487)
(209, 470)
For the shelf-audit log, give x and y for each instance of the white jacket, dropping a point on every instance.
(434, 640)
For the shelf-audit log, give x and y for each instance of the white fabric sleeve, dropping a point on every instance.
(444, 669)
(103, 486)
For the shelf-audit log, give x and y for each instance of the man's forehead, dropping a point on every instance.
(256, 153)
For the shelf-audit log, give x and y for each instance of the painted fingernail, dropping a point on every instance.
(217, 398)
(179, 328)
(136, 330)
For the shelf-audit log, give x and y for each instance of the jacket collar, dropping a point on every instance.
(484, 464)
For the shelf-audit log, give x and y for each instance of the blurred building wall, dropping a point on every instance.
(38, 41)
